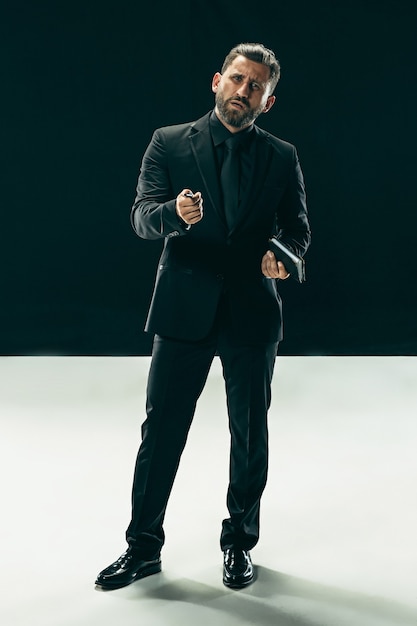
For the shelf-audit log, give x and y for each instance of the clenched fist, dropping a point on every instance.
(189, 206)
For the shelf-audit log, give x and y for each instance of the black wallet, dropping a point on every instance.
(293, 264)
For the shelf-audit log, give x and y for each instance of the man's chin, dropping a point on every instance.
(237, 118)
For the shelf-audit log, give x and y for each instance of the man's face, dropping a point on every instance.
(242, 93)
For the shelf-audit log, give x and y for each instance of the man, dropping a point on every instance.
(215, 293)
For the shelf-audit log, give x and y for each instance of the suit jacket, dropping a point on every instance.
(205, 261)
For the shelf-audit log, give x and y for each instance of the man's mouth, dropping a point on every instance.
(238, 104)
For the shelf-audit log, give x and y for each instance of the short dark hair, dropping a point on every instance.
(260, 54)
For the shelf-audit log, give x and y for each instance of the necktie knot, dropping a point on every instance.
(232, 143)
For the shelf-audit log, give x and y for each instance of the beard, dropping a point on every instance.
(233, 117)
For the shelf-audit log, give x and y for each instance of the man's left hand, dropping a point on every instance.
(271, 268)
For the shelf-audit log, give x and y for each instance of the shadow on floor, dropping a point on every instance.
(277, 599)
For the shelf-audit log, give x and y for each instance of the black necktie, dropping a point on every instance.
(229, 179)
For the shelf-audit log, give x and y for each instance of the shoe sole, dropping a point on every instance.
(147, 571)
(232, 585)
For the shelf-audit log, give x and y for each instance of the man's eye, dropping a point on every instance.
(255, 86)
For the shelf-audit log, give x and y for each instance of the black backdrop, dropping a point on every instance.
(85, 83)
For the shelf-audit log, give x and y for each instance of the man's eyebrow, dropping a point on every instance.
(251, 79)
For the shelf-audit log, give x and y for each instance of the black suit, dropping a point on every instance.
(210, 296)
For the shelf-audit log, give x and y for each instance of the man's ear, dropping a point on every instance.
(269, 104)
(215, 82)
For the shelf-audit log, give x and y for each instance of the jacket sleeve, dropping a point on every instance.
(293, 227)
(153, 215)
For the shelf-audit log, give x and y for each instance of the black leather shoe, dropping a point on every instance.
(128, 568)
(237, 569)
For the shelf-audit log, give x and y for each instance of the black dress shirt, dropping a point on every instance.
(219, 134)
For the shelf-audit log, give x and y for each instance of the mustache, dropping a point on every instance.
(241, 99)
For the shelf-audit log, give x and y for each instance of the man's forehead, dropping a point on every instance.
(252, 69)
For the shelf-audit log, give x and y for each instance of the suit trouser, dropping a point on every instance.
(176, 379)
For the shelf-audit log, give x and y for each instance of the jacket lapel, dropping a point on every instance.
(203, 151)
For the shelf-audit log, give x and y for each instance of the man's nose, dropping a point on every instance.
(244, 90)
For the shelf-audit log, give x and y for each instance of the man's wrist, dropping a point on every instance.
(183, 223)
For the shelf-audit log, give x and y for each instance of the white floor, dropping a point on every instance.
(339, 516)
